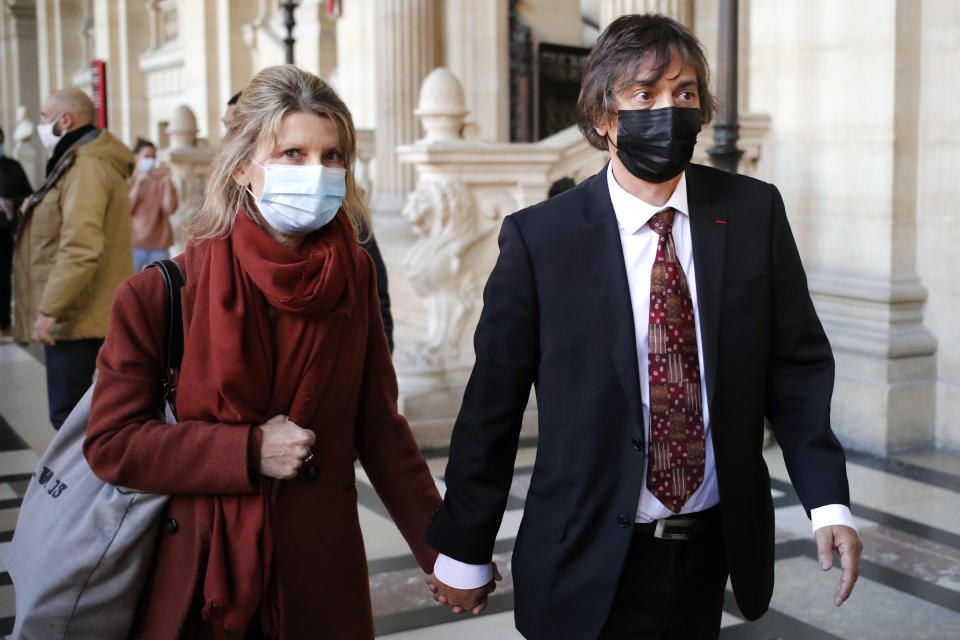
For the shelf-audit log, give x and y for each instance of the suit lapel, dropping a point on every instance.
(708, 230)
(608, 278)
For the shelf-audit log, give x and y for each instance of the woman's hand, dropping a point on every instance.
(285, 447)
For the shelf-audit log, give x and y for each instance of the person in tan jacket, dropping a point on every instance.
(73, 248)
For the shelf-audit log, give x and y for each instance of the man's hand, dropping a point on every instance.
(847, 543)
(472, 600)
(41, 330)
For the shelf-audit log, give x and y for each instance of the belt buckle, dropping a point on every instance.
(681, 523)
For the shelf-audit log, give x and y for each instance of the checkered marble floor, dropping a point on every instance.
(907, 507)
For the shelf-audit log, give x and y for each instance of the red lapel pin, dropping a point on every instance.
(719, 221)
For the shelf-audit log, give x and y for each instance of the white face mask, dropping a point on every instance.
(47, 137)
(301, 199)
(146, 163)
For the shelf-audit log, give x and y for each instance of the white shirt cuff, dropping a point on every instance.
(461, 575)
(832, 514)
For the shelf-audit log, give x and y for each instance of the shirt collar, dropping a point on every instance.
(632, 212)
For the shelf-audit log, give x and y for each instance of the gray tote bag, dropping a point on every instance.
(82, 547)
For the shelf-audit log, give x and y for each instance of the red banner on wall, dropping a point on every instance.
(98, 85)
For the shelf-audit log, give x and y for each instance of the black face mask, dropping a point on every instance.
(656, 144)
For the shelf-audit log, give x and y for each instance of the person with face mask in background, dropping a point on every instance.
(286, 377)
(14, 189)
(661, 310)
(153, 199)
(73, 247)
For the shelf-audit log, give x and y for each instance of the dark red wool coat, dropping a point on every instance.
(319, 561)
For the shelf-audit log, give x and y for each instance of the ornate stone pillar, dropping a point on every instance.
(679, 10)
(408, 45)
(464, 190)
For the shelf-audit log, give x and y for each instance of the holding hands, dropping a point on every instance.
(472, 600)
(285, 447)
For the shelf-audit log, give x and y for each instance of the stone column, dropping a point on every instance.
(234, 64)
(477, 51)
(316, 34)
(24, 55)
(408, 45)
(851, 190)
(131, 117)
(679, 10)
(197, 36)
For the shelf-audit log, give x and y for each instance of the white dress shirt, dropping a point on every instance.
(639, 244)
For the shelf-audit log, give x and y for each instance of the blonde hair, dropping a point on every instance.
(273, 93)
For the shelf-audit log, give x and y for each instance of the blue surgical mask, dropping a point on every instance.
(300, 199)
(146, 163)
(1, 149)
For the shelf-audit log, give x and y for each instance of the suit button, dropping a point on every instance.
(637, 444)
(312, 473)
(623, 521)
(171, 526)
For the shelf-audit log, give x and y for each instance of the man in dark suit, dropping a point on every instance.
(662, 311)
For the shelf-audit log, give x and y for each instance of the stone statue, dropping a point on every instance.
(26, 148)
(444, 216)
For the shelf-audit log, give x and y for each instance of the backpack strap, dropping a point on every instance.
(173, 280)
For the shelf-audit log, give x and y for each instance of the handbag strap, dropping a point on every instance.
(173, 280)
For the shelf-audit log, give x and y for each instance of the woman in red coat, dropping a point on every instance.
(286, 376)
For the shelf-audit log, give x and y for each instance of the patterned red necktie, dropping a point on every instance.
(677, 445)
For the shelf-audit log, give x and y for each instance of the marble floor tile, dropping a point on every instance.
(381, 538)
(4, 548)
(729, 620)
(793, 520)
(7, 607)
(526, 456)
(874, 611)
(8, 519)
(913, 556)
(903, 497)
(18, 462)
(12, 353)
(936, 460)
(498, 626)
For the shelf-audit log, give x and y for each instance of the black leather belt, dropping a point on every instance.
(680, 527)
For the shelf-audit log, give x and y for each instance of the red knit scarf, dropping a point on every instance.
(240, 367)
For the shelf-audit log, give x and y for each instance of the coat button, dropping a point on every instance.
(311, 473)
(171, 526)
(623, 521)
(637, 444)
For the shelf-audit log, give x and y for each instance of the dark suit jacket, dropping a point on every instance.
(557, 314)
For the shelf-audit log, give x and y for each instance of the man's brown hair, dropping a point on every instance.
(624, 46)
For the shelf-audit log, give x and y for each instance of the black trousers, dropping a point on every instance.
(70, 367)
(670, 588)
(6, 275)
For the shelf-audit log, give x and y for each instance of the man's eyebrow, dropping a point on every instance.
(649, 82)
